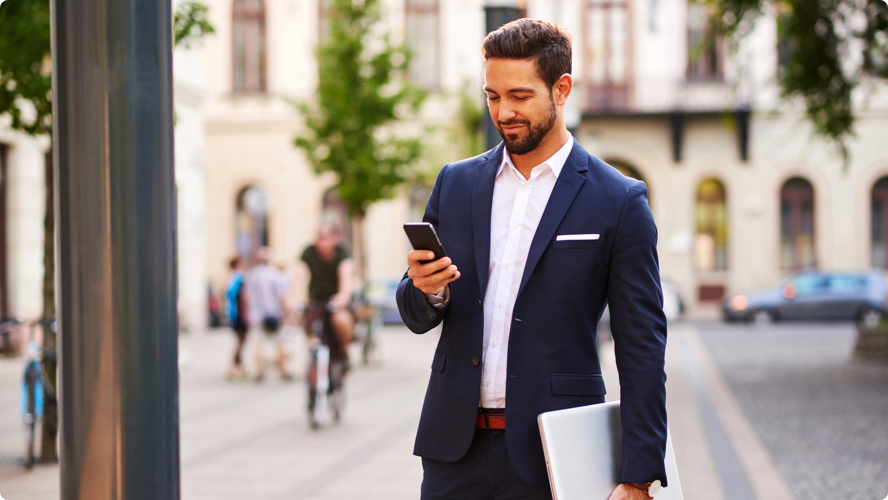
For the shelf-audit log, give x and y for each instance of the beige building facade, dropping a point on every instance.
(742, 191)
(23, 163)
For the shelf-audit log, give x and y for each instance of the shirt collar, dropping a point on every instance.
(555, 162)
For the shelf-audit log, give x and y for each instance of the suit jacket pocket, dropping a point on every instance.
(576, 244)
(578, 384)
(438, 362)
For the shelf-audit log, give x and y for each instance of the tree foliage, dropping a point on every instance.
(26, 64)
(820, 42)
(360, 95)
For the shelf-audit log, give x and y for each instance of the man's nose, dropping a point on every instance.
(505, 112)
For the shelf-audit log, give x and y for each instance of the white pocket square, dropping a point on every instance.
(576, 237)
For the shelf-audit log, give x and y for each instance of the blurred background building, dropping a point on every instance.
(742, 190)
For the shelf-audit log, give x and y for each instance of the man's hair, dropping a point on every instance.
(547, 44)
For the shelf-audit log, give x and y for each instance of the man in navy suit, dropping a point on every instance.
(540, 236)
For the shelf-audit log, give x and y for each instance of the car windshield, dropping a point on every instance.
(806, 284)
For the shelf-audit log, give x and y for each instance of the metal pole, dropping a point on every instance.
(115, 213)
(496, 16)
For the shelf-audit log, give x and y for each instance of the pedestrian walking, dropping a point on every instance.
(266, 287)
(236, 309)
(541, 237)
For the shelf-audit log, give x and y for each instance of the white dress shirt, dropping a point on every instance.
(518, 205)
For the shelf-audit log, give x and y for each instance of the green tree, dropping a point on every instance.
(349, 121)
(818, 40)
(26, 98)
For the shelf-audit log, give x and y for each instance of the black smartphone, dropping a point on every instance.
(423, 236)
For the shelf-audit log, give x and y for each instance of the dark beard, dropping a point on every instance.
(517, 146)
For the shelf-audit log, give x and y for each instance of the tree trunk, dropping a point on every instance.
(359, 250)
(48, 447)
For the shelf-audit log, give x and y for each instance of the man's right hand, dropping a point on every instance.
(430, 277)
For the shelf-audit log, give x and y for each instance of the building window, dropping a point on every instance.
(607, 55)
(423, 42)
(879, 232)
(711, 227)
(251, 221)
(249, 46)
(419, 198)
(797, 250)
(704, 54)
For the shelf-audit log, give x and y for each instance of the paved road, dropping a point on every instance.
(822, 416)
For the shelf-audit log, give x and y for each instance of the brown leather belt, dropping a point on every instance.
(491, 421)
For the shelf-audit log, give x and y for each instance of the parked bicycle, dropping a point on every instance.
(38, 394)
(368, 331)
(326, 369)
(8, 339)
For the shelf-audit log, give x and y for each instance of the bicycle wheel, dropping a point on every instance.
(318, 394)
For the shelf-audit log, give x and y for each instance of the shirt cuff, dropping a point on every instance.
(440, 300)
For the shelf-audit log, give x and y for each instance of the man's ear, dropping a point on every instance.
(562, 88)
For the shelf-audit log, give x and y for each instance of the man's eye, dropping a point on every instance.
(492, 98)
(522, 98)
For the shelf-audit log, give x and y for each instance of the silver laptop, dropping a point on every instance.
(583, 453)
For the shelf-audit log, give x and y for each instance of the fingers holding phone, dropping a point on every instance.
(430, 276)
(430, 268)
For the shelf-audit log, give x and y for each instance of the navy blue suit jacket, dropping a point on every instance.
(552, 352)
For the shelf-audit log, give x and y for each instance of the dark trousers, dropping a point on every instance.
(485, 473)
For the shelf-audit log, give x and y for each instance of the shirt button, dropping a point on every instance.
(495, 343)
(486, 383)
(515, 226)
(508, 265)
(523, 189)
(476, 361)
(499, 304)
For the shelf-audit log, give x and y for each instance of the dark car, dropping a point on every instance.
(817, 296)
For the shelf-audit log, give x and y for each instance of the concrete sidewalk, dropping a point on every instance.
(252, 441)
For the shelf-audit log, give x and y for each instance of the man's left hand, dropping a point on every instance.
(625, 492)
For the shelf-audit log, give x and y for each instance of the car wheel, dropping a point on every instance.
(869, 317)
(761, 317)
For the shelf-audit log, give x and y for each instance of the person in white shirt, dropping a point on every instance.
(540, 236)
(266, 288)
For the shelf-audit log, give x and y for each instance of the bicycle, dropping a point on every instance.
(368, 330)
(38, 394)
(327, 367)
(8, 329)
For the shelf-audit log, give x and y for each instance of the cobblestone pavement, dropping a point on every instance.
(822, 416)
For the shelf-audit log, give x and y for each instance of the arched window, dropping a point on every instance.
(711, 227)
(797, 249)
(419, 197)
(879, 232)
(334, 211)
(251, 221)
(248, 36)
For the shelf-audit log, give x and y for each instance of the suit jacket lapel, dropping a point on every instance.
(566, 188)
(482, 201)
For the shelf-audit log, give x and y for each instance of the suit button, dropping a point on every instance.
(480, 305)
(476, 361)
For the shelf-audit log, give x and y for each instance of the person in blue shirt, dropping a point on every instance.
(236, 307)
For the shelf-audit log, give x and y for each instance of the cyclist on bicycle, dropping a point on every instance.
(329, 271)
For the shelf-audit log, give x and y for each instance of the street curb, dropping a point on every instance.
(765, 479)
